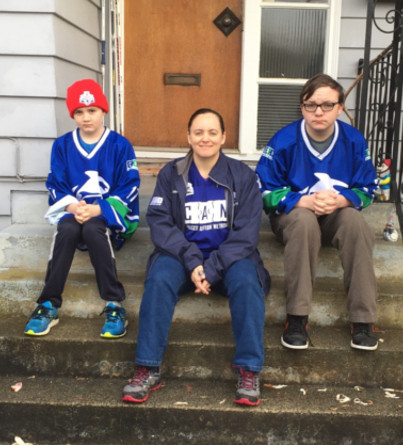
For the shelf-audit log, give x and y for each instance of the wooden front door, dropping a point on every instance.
(164, 38)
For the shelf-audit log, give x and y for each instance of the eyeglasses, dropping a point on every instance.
(327, 106)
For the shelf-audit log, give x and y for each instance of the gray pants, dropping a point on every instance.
(302, 233)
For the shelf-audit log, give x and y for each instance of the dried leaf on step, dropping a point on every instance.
(392, 390)
(19, 441)
(16, 387)
(341, 398)
(268, 385)
(358, 401)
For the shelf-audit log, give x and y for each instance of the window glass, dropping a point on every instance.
(278, 106)
(292, 42)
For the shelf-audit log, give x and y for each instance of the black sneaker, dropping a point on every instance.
(145, 380)
(248, 392)
(363, 337)
(295, 335)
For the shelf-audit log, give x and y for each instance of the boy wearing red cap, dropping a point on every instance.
(93, 196)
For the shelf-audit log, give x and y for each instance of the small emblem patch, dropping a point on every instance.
(268, 152)
(131, 165)
(87, 98)
(157, 201)
(189, 189)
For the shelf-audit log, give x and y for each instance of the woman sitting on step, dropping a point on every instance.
(204, 219)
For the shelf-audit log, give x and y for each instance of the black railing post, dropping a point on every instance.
(379, 106)
(365, 66)
(398, 85)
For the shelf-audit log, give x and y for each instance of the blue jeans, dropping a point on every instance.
(168, 279)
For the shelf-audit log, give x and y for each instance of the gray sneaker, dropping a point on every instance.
(145, 380)
(248, 392)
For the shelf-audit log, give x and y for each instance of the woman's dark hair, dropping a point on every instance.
(319, 81)
(205, 111)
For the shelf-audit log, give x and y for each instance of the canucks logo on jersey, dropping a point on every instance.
(131, 164)
(268, 152)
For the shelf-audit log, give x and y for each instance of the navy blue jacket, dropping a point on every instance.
(166, 218)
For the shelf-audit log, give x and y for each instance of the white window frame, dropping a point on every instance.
(250, 79)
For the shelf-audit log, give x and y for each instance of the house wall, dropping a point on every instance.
(45, 45)
(352, 40)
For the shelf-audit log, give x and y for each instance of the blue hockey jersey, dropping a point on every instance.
(290, 167)
(107, 176)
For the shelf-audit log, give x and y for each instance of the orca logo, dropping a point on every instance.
(95, 186)
(325, 183)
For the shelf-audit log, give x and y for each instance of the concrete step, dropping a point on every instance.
(72, 379)
(74, 347)
(66, 410)
(19, 290)
(24, 251)
(25, 248)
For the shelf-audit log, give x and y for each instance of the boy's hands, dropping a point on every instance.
(323, 202)
(83, 212)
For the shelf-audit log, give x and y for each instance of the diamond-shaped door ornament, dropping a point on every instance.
(226, 21)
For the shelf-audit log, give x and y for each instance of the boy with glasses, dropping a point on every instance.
(315, 176)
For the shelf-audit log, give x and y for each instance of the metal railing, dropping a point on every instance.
(379, 100)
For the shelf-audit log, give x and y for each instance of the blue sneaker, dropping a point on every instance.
(42, 320)
(115, 321)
